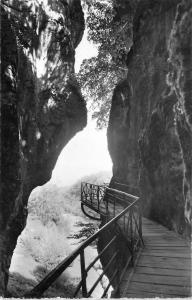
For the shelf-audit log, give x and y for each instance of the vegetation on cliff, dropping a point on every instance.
(110, 28)
(54, 227)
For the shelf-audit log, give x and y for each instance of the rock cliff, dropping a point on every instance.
(150, 125)
(149, 132)
(42, 107)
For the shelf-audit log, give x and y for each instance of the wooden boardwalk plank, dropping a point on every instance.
(165, 244)
(168, 247)
(167, 253)
(143, 294)
(157, 279)
(160, 289)
(162, 272)
(136, 294)
(163, 268)
(164, 262)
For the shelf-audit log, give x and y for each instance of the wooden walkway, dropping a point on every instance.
(163, 267)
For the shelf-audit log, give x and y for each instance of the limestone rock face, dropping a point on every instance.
(180, 80)
(149, 133)
(42, 107)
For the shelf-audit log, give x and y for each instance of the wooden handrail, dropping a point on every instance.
(131, 188)
(124, 194)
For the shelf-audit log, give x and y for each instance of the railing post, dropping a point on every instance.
(131, 236)
(85, 191)
(140, 221)
(117, 293)
(90, 192)
(114, 208)
(98, 197)
(83, 274)
(107, 207)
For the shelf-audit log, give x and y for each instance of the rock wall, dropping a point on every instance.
(41, 108)
(180, 80)
(149, 132)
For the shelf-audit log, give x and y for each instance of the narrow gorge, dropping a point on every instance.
(150, 120)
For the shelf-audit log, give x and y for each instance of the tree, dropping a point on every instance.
(98, 77)
(111, 30)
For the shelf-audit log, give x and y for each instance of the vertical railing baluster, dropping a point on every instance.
(114, 208)
(107, 206)
(85, 191)
(98, 197)
(83, 274)
(131, 236)
(91, 195)
(94, 194)
(118, 266)
(140, 221)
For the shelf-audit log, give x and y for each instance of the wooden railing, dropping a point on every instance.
(127, 226)
(126, 188)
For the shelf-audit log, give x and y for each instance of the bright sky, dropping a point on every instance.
(87, 152)
(84, 50)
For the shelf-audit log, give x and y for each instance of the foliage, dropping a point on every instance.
(111, 30)
(18, 285)
(87, 230)
(98, 77)
(51, 203)
(99, 20)
(45, 206)
(47, 245)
